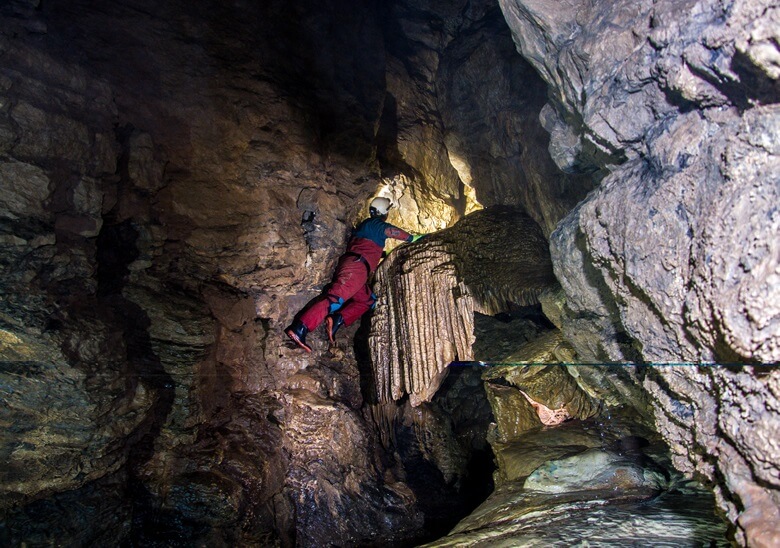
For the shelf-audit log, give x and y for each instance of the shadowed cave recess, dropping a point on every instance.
(583, 348)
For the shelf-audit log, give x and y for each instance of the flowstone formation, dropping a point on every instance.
(591, 481)
(430, 291)
(675, 257)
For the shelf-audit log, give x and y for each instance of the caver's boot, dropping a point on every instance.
(333, 322)
(297, 333)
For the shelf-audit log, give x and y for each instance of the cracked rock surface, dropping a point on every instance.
(674, 258)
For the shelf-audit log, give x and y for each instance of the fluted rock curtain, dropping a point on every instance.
(429, 291)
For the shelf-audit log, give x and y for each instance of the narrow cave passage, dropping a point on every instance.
(598, 185)
(574, 445)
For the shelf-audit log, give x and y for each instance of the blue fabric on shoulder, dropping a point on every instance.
(373, 229)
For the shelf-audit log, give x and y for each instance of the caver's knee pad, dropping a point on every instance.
(335, 303)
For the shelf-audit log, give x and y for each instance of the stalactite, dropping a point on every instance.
(429, 291)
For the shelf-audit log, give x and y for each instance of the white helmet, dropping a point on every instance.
(379, 206)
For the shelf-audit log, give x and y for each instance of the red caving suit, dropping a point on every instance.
(349, 293)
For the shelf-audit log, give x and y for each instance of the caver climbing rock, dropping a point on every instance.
(349, 296)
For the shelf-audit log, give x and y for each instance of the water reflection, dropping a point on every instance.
(591, 483)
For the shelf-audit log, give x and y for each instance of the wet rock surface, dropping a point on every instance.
(600, 479)
(593, 469)
(522, 519)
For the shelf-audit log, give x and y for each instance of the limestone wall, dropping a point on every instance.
(674, 258)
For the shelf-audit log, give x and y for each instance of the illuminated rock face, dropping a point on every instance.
(450, 142)
(674, 258)
(430, 290)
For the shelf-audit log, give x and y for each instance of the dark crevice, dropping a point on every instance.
(390, 160)
(116, 250)
(756, 86)
(363, 359)
(752, 88)
(460, 404)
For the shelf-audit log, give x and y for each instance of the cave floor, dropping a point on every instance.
(512, 516)
(591, 482)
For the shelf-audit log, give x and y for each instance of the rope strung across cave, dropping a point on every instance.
(429, 293)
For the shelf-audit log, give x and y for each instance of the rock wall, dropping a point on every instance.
(168, 173)
(177, 181)
(466, 133)
(674, 258)
(63, 366)
(702, 146)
